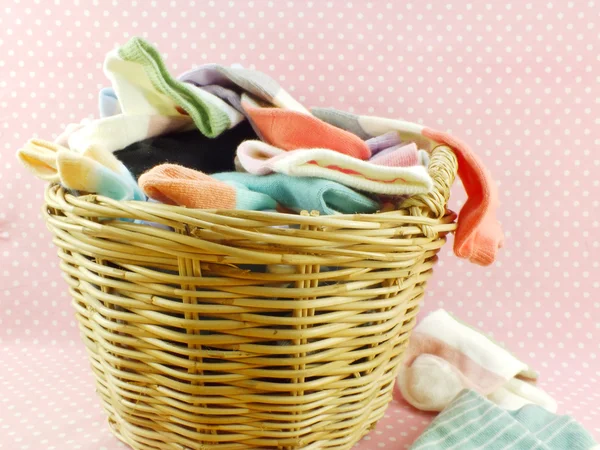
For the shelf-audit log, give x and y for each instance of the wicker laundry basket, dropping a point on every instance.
(195, 345)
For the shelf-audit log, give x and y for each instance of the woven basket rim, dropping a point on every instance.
(439, 171)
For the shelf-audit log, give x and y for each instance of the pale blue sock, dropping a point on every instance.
(108, 102)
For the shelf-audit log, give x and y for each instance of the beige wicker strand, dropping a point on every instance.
(194, 345)
(191, 268)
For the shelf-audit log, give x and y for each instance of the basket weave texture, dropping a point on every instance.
(247, 330)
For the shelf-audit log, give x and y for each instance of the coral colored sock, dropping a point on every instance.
(291, 130)
(479, 234)
(178, 185)
(342, 119)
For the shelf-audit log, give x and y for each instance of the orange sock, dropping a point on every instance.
(479, 234)
(178, 185)
(291, 130)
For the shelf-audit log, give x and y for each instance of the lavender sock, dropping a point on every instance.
(386, 151)
(385, 141)
(403, 155)
(225, 94)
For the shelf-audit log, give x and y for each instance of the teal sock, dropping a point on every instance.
(300, 193)
(472, 422)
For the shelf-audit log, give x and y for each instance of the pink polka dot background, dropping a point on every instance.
(517, 80)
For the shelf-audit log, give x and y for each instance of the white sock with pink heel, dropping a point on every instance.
(445, 356)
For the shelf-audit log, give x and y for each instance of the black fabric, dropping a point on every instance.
(189, 149)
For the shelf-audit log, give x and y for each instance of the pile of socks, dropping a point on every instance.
(486, 395)
(220, 137)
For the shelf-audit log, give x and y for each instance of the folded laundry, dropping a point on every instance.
(472, 422)
(189, 149)
(445, 356)
(303, 193)
(479, 234)
(260, 158)
(177, 185)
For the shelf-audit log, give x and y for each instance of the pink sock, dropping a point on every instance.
(398, 156)
(384, 141)
(260, 158)
(445, 356)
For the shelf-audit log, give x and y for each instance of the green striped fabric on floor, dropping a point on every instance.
(472, 422)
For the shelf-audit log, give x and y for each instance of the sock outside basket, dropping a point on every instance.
(445, 356)
(472, 422)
